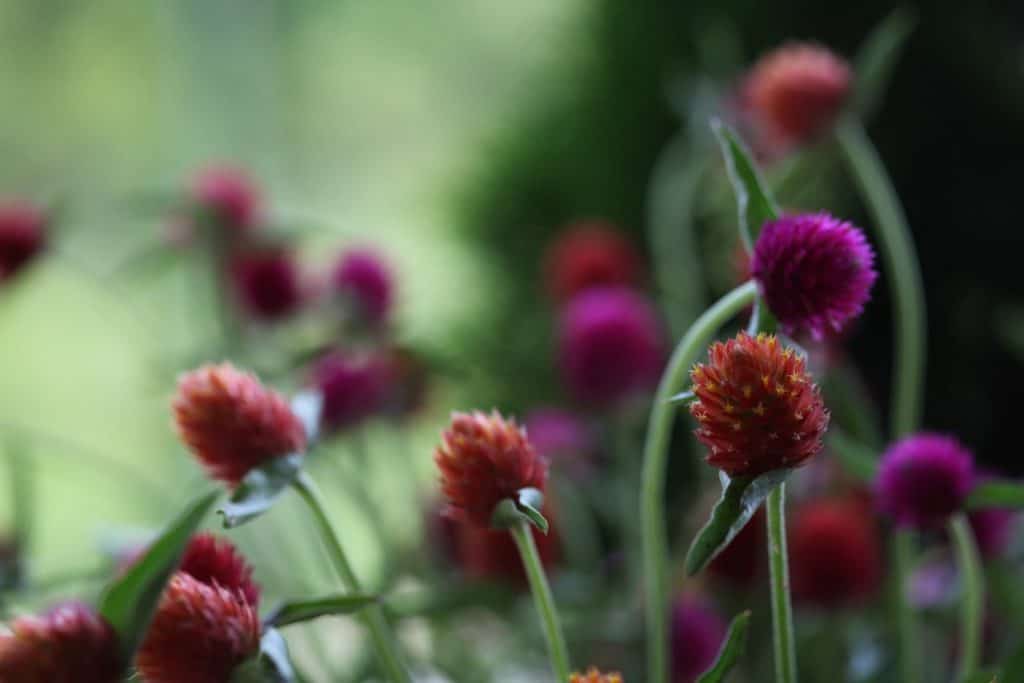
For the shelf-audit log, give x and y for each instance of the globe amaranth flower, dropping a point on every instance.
(22, 235)
(697, 635)
(483, 460)
(267, 282)
(796, 92)
(365, 279)
(835, 557)
(610, 346)
(213, 560)
(69, 644)
(229, 196)
(588, 255)
(354, 386)
(232, 423)
(757, 407)
(594, 676)
(814, 271)
(923, 479)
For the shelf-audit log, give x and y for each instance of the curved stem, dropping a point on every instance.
(380, 631)
(973, 587)
(782, 609)
(910, 661)
(652, 493)
(523, 535)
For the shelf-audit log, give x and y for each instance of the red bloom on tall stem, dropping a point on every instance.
(232, 423)
(214, 560)
(22, 235)
(587, 255)
(69, 644)
(757, 407)
(485, 459)
(229, 195)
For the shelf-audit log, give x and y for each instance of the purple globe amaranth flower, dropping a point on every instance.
(560, 436)
(697, 634)
(364, 277)
(814, 270)
(267, 283)
(354, 387)
(923, 479)
(610, 345)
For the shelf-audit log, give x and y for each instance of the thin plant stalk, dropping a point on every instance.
(782, 609)
(384, 642)
(973, 589)
(522, 533)
(659, 431)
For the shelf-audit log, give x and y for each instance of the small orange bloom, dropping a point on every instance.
(595, 676)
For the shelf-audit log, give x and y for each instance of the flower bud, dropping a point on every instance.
(22, 235)
(354, 387)
(267, 282)
(364, 278)
(229, 195)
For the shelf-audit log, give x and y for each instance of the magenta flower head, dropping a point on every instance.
(923, 479)
(22, 235)
(815, 271)
(267, 283)
(610, 345)
(559, 436)
(230, 197)
(365, 278)
(354, 387)
(697, 634)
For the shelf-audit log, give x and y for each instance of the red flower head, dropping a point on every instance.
(485, 459)
(200, 633)
(232, 423)
(834, 553)
(267, 282)
(229, 195)
(215, 561)
(22, 235)
(595, 676)
(69, 644)
(590, 255)
(795, 92)
(757, 407)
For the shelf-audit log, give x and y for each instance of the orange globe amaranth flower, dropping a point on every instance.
(757, 407)
(485, 459)
(232, 423)
(69, 644)
(199, 634)
(595, 676)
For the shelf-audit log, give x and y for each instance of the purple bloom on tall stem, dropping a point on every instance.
(923, 479)
(354, 387)
(364, 277)
(610, 345)
(267, 283)
(697, 634)
(814, 270)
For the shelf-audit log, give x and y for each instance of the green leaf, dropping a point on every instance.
(682, 397)
(859, 460)
(128, 604)
(877, 59)
(996, 494)
(525, 508)
(755, 202)
(740, 499)
(271, 665)
(260, 489)
(307, 406)
(305, 610)
(733, 648)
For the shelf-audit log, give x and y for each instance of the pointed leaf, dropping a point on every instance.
(260, 489)
(755, 202)
(525, 508)
(733, 648)
(307, 406)
(996, 494)
(305, 610)
(128, 604)
(740, 499)
(877, 59)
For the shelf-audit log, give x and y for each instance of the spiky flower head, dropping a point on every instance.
(232, 423)
(22, 235)
(594, 676)
(364, 277)
(923, 479)
(697, 634)
(815, 271)
(354, 387)
(229, 195)
(835, 557)
(200, 633)
(610, 346)
(267, 282)
(69, 644)
(796, 92)
(485, 459)
(588, 255)
(757, 407)
(216, 561)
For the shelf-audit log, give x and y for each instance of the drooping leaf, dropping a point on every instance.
(754, 200)
(271, 665)
(128, 604)
(304, 610)
(260, 489)
(740, 499)
(733, 648)
(996, 494)
(877, 57)
(856, 458)
(307, 406)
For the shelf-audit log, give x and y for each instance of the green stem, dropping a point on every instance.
(380, 631)
(910, 662)
(782, 610)
(652, 504)
(559, 653)
(972, 580)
